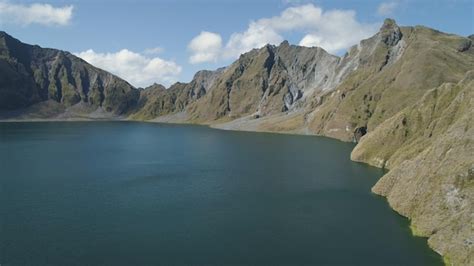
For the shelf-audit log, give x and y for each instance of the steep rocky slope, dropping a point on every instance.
(268, 81)
(381, 76)
(156, 100)
(429, 149)
(30, 75)
(403, 64)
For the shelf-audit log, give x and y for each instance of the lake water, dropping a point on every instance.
(125, 193)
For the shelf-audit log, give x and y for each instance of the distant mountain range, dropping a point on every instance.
(406, 95)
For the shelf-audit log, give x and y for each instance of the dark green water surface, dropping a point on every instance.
(119, 193)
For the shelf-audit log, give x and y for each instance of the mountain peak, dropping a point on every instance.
(9, 40)
(285, 43)
(389, 23)
(390, 32)
(4, 35)
(156, 86)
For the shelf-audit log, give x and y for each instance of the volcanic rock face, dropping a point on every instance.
(405, 94)
(389, 78)
(276, 80)
(271, 80)
(31, 74)
(266, 81)
(157, 101)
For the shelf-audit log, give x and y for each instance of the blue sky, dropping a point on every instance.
(166, 41)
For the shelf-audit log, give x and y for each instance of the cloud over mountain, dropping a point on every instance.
(206, 47)
(136, 68)
(333, 30)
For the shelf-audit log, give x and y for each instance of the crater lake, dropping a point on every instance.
(129, 193)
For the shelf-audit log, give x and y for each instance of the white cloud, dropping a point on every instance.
(333, 30)
(257, 35)
(36, 13)
(386, 8)
(336, 30)
(137, 69)
(206, 47)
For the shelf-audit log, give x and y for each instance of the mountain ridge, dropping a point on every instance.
(31, 74)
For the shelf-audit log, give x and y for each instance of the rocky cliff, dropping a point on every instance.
(57, 80)
(405, 95)
(156, 100)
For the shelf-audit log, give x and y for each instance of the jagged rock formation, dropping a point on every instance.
(265, 81)
(31, 74)
(156, 100)
(399, 65)
(268, 81)
(405, 94)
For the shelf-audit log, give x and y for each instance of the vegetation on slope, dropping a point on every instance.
(429, 149)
